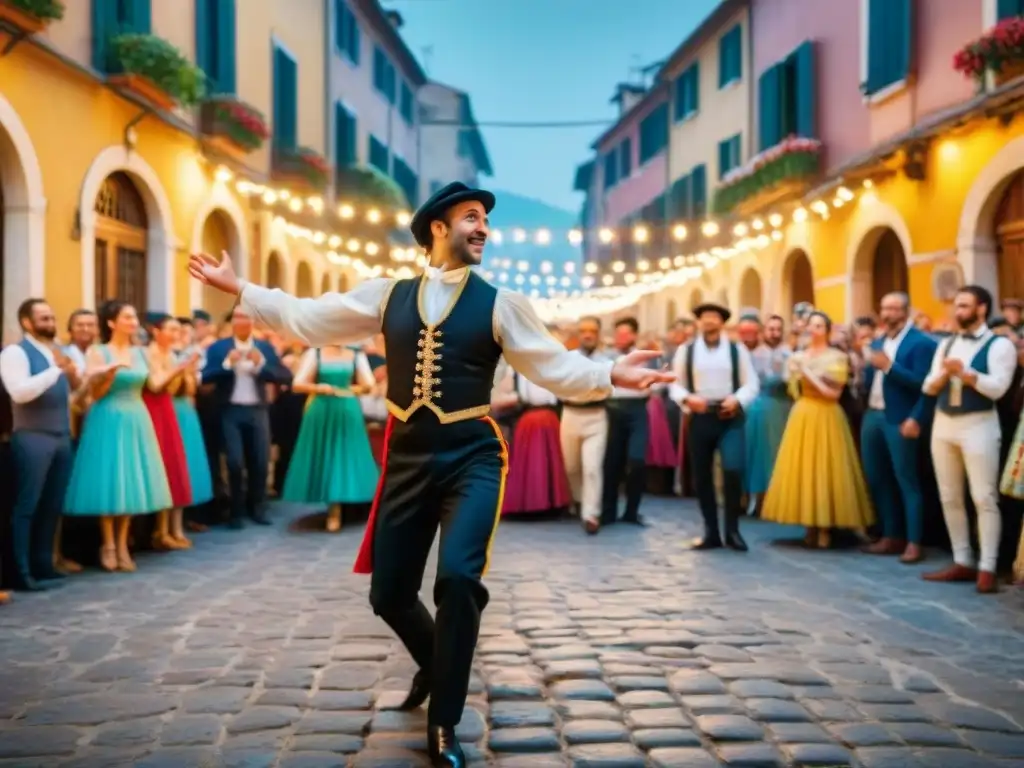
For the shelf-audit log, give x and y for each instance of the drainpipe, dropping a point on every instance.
(329, 95)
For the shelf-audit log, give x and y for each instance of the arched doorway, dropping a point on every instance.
(325, 283)
(275, 270)
(879, 267)
(219, 235)
(797, 280)
(696, 298)
(343, 283)
(671, 314)
(751, 292)
(122, 231)
(304, 281)
(1009, 232)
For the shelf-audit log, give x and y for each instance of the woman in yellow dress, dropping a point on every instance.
(818, 481)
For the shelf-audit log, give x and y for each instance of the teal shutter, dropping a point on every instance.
(141, 21)
(723, 58)
(353, 36)
(204, 56)
(104, 26)
(806, 122)
(768, 108)
(344, 137)
(723, 158)
(695, 86)
(226, 44)
(1007, 9)
(699, 191)
(286, 100)
(890, 43)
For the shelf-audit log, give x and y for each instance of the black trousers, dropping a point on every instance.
(625, 457)
(42, 467)
(708, 434)
(246, 435)
(449, 476)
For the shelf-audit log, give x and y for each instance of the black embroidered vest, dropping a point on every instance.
(447, 368)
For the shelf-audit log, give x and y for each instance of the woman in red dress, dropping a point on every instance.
(164, 377)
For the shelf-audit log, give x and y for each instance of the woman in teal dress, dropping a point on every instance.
(766, 418)
(118, 470)
(332, 463)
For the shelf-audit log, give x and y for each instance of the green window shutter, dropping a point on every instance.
(730, 56)
(353, 36)
(226, 46)
(723, 158)
(890, 43)
(204, 54)
(699, 191)
(286, 100)
(141, 17)
(768, 108)
(806, 122)
(1007, 9)
(352, 131)
(344, 137)
(104, 26)
(695, 86)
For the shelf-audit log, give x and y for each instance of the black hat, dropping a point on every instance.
(710, 306)
(439, 202)
(201, 314)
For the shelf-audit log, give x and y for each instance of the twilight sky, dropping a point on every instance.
(542, 60)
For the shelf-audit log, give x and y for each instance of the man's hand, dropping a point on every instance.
(696, 404)
(953, 367)
(910, 429)
(254, 356)
(220, 275)
(880, 360)
(631, 374)
(234, 356)
(970, 378)
(729, 408)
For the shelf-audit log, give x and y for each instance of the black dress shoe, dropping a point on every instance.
(49, 574)
(706, 543)
(444, 748)
(236, 524)
(418, 693)
(733, 540)
(638, 520)
(28, 584)
(260, 519)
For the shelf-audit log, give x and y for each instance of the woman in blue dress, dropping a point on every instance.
(118, 470)
(333, 463)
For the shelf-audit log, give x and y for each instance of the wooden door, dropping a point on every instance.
(121, 241)
(1010, 240)
(889, 273)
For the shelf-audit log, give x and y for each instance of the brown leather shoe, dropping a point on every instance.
(987, 583)
(884, 547)
(912, 554)
(5, 597)
(952, 573)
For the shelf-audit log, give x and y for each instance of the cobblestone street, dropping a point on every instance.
(259, 649)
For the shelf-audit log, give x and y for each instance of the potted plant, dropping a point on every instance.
(31, 16)
(371, 185)
(303, 166)
(153, 69)
(1000, 51)
(794, 159)
(232, 125)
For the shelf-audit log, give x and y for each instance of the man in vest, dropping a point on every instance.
(444, 461)
(970, 373)
(39, 380)
(715, 381)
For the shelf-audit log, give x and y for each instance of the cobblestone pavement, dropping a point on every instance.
(258, 649)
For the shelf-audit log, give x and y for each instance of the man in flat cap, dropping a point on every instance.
(444, 458)
(716, 382)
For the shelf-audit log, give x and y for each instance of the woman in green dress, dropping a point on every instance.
(332, 463)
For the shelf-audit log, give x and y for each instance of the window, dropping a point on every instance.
(730, 155)
(699, 192)
(889, 30)
(346, 31)
(379, 155)
(405, 104)
(730, 56)
(787, 98)
(625, 158)
(611, 168)
(1007, 9)
(679, 199)
(653, 133)
(215, 44)
(384, 77)
(121, 242)
(344, 137)
(687, 96)
(687, 199)
(115, 17)
(407, 180)
(286, 100)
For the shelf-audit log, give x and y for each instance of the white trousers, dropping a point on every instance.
(968, 445)
(584, 435)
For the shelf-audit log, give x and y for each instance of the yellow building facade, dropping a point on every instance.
(101, 199)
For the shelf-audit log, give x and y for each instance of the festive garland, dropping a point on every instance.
(303, 163)
(792, 158)
(235, 120)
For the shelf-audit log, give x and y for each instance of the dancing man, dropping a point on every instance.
(444, 461)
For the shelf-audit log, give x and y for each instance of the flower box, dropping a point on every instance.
(232, 126)
(773, 173)
(154, 70)
(301, 167)
(370, 185)
(30, 16)
(1000, 51)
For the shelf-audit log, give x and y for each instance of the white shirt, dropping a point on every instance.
(532, 395)
(77, 357)
(246, 389)
(21, 385)
(345, 318)
(1002, 362)
(890, 345)
(712, 373)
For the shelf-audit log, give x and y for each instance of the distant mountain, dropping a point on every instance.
(513, 212)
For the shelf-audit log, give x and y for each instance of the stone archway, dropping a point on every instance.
(671, 314)
(304, 280)
(219, 234)
(797, 280)
(275, 270)
(229, 231)
(879, 267)
(1009, 234)
(343, 284)
(22, 220)
(751, 290)
(160, 244)
(696, 298)
(325, 284)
